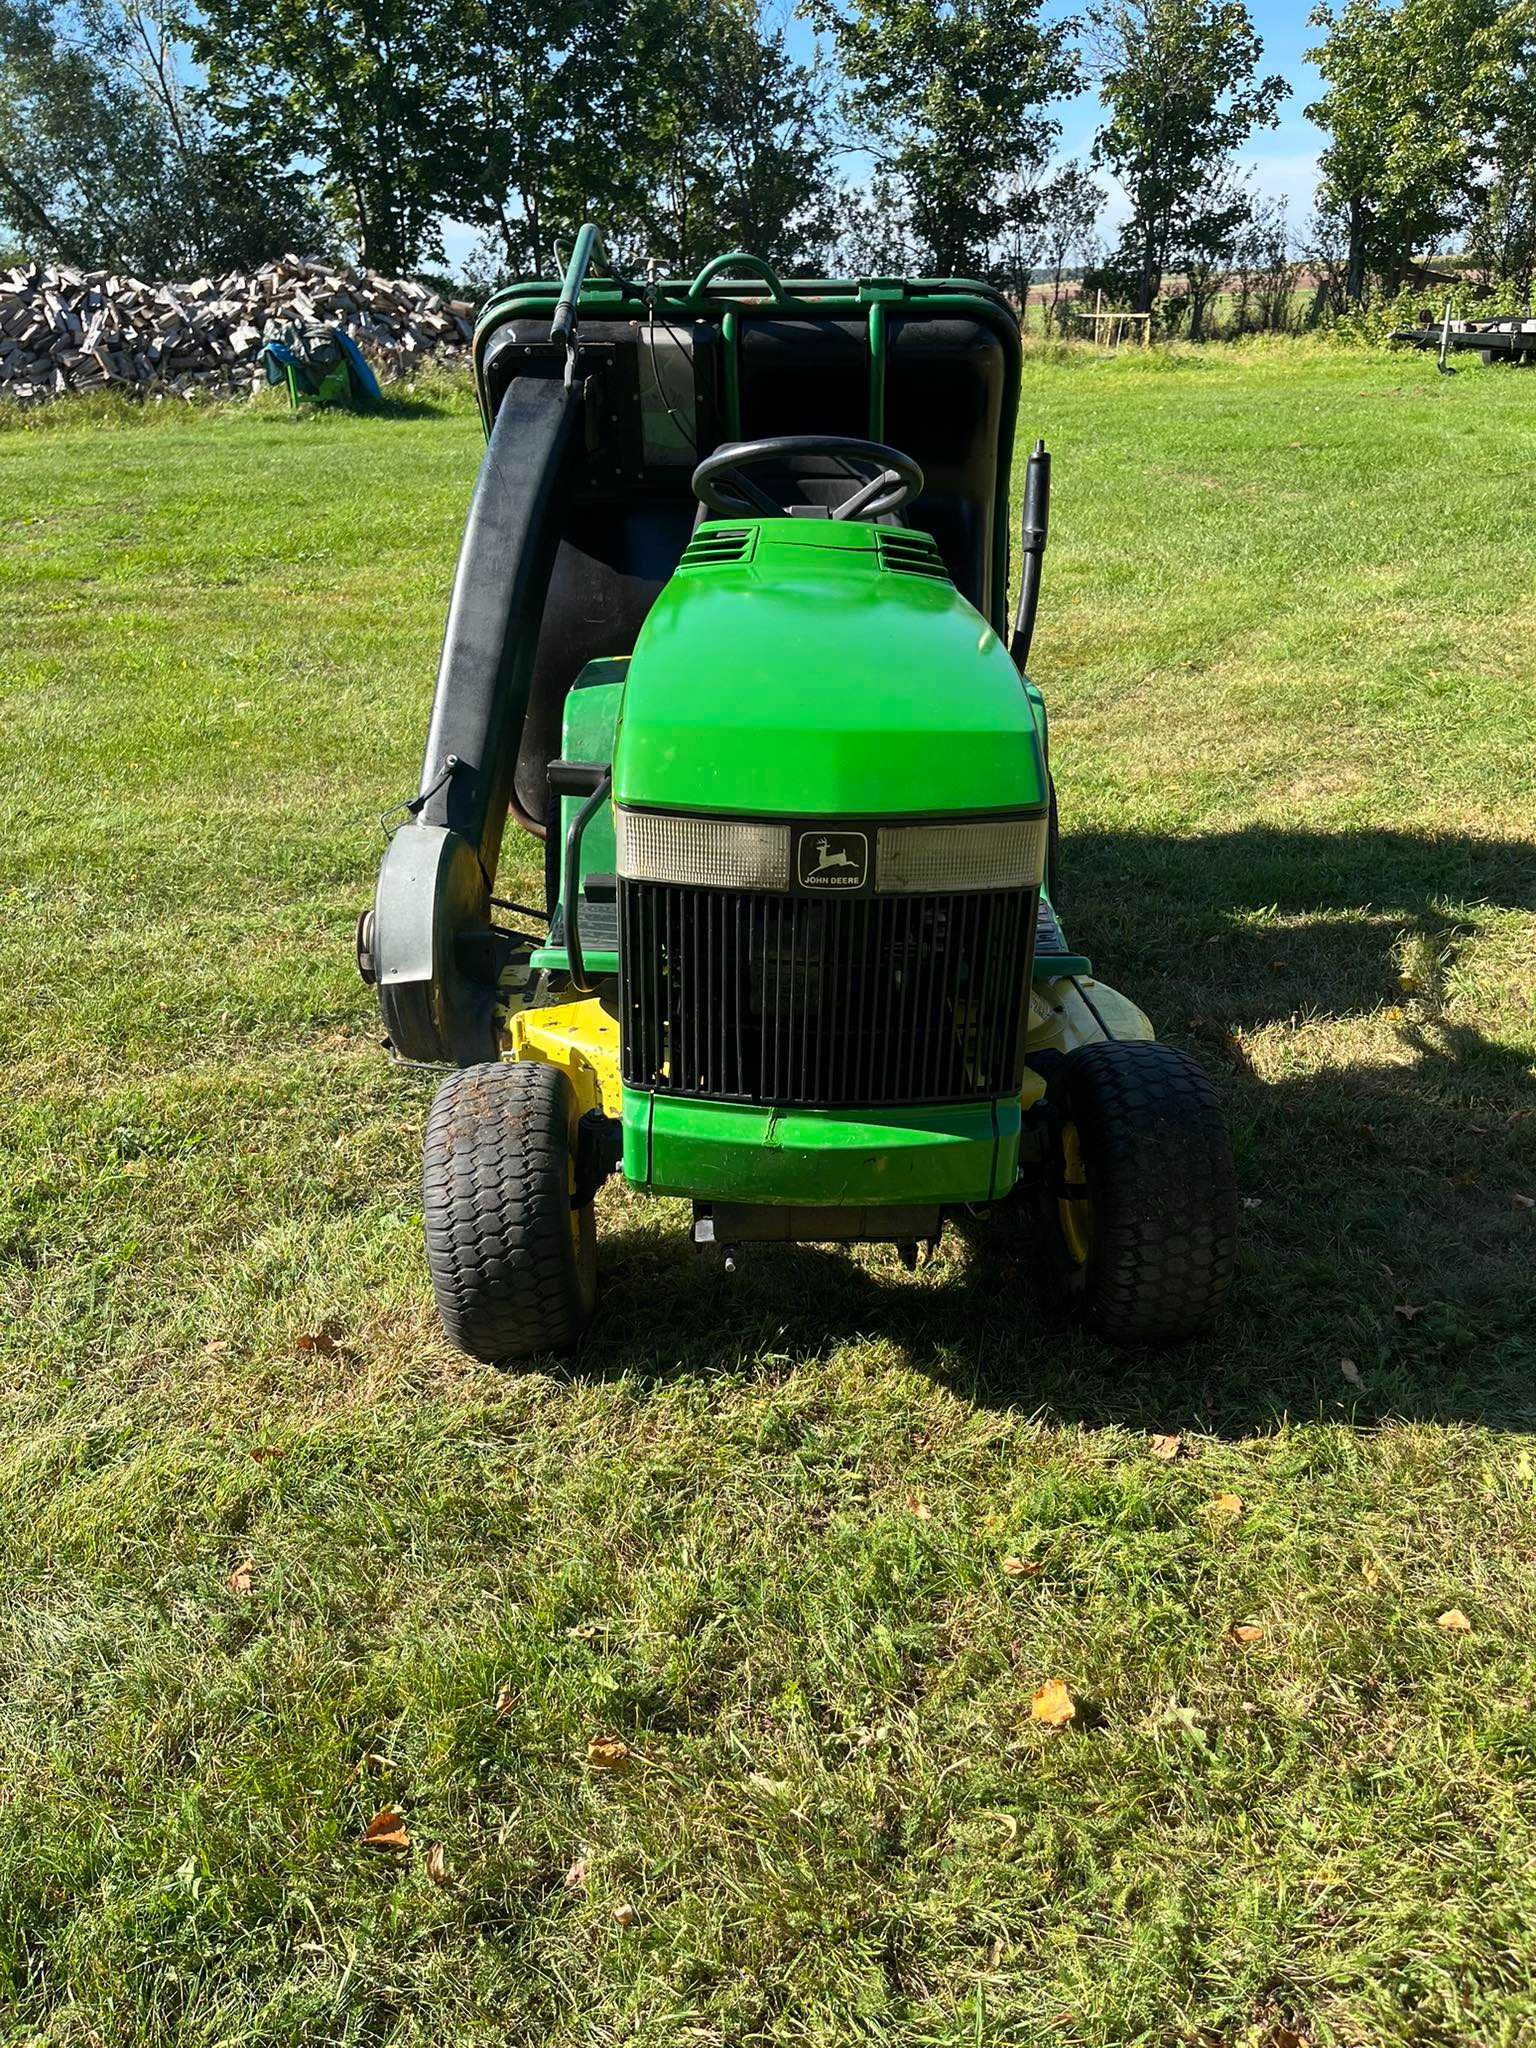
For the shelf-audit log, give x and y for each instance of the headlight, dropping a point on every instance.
(709, 853)
(1007, 853)
(830, 859)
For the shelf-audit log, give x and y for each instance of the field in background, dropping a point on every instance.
(807, 1538)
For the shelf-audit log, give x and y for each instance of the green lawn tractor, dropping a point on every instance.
(729, 634)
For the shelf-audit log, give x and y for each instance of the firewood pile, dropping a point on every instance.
(87, 330)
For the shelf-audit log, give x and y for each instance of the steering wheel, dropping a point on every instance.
(889, 478)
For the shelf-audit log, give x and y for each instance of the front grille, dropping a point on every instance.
(823, 1002)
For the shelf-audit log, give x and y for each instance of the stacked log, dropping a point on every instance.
(63, 329)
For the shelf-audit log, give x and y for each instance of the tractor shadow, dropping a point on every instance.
(1384, 1141)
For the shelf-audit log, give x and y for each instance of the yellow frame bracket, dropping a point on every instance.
(583, 1041)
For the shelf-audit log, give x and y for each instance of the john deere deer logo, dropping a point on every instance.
(828, 856)
(833, 860)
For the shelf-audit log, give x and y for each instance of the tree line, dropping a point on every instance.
(890, 136)
(1429, 110)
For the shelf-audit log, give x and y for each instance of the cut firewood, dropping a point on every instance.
(63, 329)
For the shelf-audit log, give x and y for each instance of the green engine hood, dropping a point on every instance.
(814, 668)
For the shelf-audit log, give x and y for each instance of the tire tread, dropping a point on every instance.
(496, 1211)
(1165, 1194)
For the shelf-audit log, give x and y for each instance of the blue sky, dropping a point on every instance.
(1282, 160)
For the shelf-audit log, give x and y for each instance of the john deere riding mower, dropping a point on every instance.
(729, 635)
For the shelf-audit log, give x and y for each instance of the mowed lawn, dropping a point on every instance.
(807, 1537)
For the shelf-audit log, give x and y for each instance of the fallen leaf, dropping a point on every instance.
(1524, 1201)
(1229, 1505)
(625, 1915)
(1052, 1705)
(437, 1865)
(242, 1579)
(386, 1830)
(919, 1508)
(506, 1700)
(1407, 1311)
(1020, 1568)
(320, 1341)
(1454, 1622)
(1245, 1632)
(608, 1753)
(583, 1632)
(1165, 1447)
(576, 1876)
(1350, 1370)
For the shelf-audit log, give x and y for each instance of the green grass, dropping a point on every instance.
(759, 1530)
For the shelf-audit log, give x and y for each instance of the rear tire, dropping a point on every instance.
(1141, 1209)
(513, 1258)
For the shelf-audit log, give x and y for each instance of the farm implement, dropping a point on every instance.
(730, 636)
(1510, 340)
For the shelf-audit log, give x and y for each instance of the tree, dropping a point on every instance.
(947, 95)
(1070, 205)
(1021, 237)
(1415, 97)
(680, 128)
(63, 121)
(1325, 252)
(353, 88)
(732, 151)
(536, 126)
(1501, 195)
(1179, 83)
(1501, 240)
(1206, 242)
(1261, 263)
(103, 161)
(873, 233)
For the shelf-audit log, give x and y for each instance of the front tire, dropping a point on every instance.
(1141, 1201)
(513, 1256)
